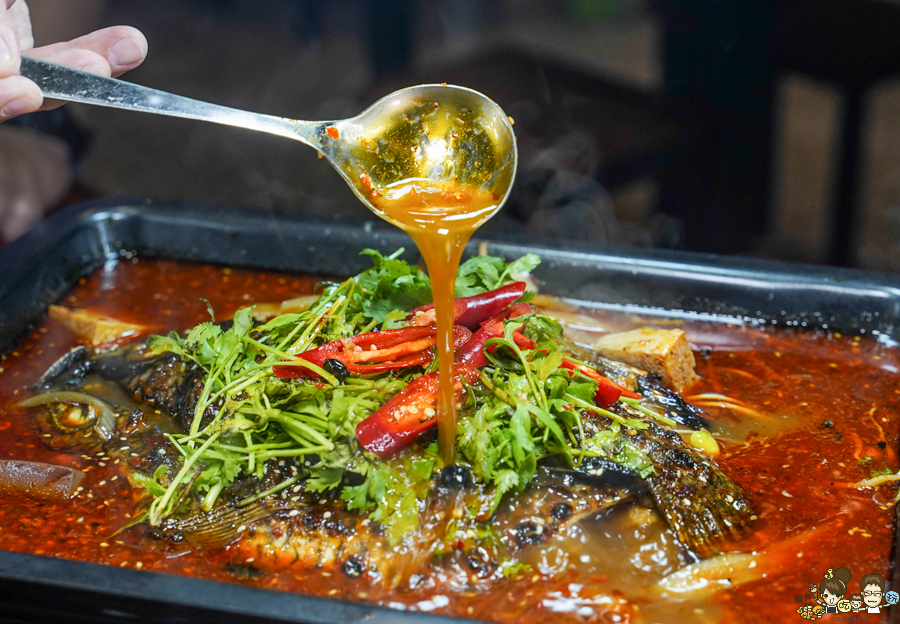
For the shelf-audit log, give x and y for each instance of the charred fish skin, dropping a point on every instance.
(679, 410)
(703, 507)
(162, 380)
(303, 531)
(67, 372)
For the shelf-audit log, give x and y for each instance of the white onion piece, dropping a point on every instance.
(712, 575)
(105, 425)
(36, 478)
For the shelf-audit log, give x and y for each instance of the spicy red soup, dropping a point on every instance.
(800, 418)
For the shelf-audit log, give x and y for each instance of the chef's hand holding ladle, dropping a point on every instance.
(428, 134)
(108, 52)
(35, 168)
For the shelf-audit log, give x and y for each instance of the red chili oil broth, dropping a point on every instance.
(821, 414)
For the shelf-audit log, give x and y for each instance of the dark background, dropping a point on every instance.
(767, 128)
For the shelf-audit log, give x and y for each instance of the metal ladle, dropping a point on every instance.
(433, 133)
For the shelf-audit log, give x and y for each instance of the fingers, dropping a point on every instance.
(18, 96)
(110, 51)
(9, 44)
(107, 52)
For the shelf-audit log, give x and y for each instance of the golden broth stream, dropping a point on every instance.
(438, 170)
(440, 218)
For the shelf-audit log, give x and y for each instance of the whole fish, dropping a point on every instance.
(279, 519)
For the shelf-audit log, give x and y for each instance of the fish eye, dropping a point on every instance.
(68, 416)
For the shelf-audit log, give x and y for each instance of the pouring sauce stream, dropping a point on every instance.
(440, 217)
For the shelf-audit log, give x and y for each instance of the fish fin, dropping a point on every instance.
(221, 526)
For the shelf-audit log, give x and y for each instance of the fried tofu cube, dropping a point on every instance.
(662, 351)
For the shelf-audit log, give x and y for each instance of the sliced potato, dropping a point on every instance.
(97, 329)
(268, 310)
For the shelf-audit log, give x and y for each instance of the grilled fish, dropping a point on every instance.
(461, 527)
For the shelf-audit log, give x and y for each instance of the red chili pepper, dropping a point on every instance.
(472, 353)
(472, 311)
(375, 352)
(608, 392)
(410, 412)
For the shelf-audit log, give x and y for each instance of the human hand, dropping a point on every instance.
(108, 52)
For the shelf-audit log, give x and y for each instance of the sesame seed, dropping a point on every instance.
(326, 515)
(242, 528)
(250, 560)
(294, 513)
(80, 520)
(102, 483)
(139, 565)
(104, 545)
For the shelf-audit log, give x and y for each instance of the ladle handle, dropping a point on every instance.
(72, 85)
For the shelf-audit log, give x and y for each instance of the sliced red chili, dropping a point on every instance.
(608, 392)
(375, 352)
(472, 352)
(408, 414)
(472, 311)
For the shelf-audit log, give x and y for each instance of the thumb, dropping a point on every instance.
(9, 42)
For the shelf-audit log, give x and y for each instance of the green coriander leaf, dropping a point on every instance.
(542, 329)
(525, 264)
(282, 320)
(243, 321)
(584, 391)
(209, 308)
(478, 274)
(357, 496)
(324, 478)
(150, 484)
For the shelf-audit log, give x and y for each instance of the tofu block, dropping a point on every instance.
(662, 351)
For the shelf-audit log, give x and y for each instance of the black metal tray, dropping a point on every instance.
(42, 265)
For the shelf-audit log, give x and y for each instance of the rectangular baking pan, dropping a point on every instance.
(41, 266)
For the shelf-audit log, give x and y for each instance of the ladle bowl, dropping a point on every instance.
(433, 134)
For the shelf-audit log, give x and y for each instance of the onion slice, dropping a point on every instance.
(38, 479)
(105, 425)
